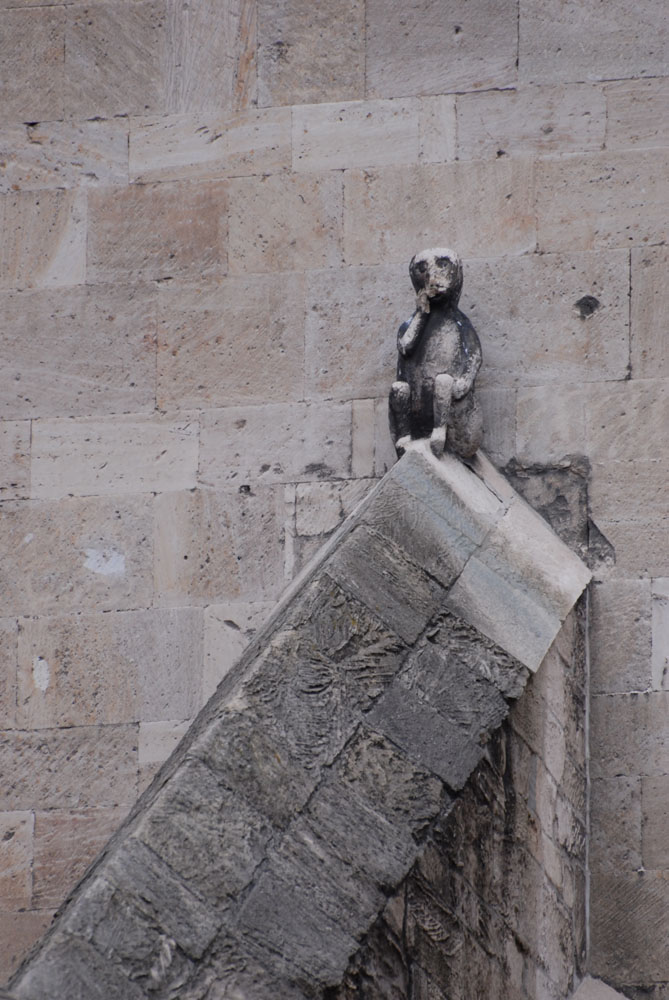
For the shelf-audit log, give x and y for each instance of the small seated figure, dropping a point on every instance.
(439, 357)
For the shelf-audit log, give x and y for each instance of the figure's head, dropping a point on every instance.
(438, 272)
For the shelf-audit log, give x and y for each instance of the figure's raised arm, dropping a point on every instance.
(409, 332)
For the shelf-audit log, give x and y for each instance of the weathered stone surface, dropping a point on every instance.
(634, 113)
(600, 201)
(355, 134)
(629, 42)
(206, 544)
(227, 631)
(629, 734)
(660, 634)
(623, 426)
(655, 816)
(45, 239)
(207, 146)
(301, 60)
(157, 231)
(66, 842)
(132, 454)
(389, 209)
(321, 507)
(235, 341)
(615, 824)
(595, 989)
(550, 424)
(32, 77)
(626, 909)
(63, 154)
(76, 554)
(16, 859)
(110, 668)
(429, 50)
(285, 222)
(650, 304)
(8, 669)
(57, 759)
(18, 932)
(620, 636)
(78, 352)
(531, 120)
(437, 129)
(276, 443)
(14, 459)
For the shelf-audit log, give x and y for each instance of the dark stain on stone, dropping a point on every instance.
(587, 305)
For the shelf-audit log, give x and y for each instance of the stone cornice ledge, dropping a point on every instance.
(269, 842)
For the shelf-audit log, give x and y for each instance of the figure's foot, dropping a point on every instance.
(438, 441)
(401, 445)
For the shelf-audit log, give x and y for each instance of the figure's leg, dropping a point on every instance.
(466, 430)
(441, 408)
(399, 414)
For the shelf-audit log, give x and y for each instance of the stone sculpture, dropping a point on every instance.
(439, 357)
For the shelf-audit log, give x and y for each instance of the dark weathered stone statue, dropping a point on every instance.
(439, 357)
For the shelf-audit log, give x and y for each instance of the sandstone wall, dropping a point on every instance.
(207, 211)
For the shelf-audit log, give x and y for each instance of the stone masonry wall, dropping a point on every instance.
(207, 210)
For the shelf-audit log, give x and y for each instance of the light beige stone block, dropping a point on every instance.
(630, 491)
(212, 546)
(79, 351)
(158, 231)
(615, 824)
(285, 223)
(14, 459)
(628, 909)
(660, 634)
(550, 422)
(626, 421)
(575, 42)
(276, 443)
(602, 200)
(66, 842)
(321, 507)
(352, 318)
(630, 734)
(437, 129)
(228, 628)
(595, 989)
(385, 455)
(650, 312)
(18, 933)
(157, 740)
(8, 669)
(76, 555)
(392, 213)
(641, 547)
(16, 859)
(303, 59)
(620, 636)
(237, 341)
(530, 121)
(63, 154)
(115, 57)
(499, 423)
(69, 768)
(110, 668)
(362, 437)
(130, 454)
(208, 146)
(44, 239)
(427, 48)
(637, 113)
(355, 134)
(32, 75)
(526, 312)
(655, 802)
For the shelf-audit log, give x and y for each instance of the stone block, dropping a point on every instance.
(391, 213)
(207, 545)
(16, 859)
(63, 154)
(595, 989)
(44, 242)
(227, 630)
(236, 341)
(78, 352)
(437, 129)
(157, 231)
(629, 42)
(550, 422)
(301, 60)
(620, 636)
(355, 134)
(76, 555)
(627, 908)
(624, 424)
(635, 113)
(630, 734)
(362, 438)
(385, 455)
(321, 507)
(600, 201)
(435, 50)
(352, 317)
(115, 59)
(530, 121)
(637, 548)
(102, 669)
(70, 768)
(157, 740)
(66, 843)
(14, 459)
(32, 78)
(8, 670)
(130, 454)
(650, 304)
(208, 146)
(655, 803)
(285, 222)
(532, 315)
(660, 634)
(276, 443)
(615, 824)
(499, 423)
(18, 933)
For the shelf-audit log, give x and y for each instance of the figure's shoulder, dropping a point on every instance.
(468, 334)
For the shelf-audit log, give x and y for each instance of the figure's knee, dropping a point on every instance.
(443, 383)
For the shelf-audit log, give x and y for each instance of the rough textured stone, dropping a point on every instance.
(76, 554)
(629, 734)
(157, 740)
(14, 459)
(8, 672)
(660, 634)
(634, 113)
(81, 970)
(301, 60)
(208, 146)
(437, 129)
(620, 637)
(427, 49)
(650, 305)
(550, 425)
(623, 421)
(615, 824)
(32, 78)
(157, 231)
(227, 631)
(16, 859)
(18, 932)
(45, 239)
(321, 507)
(625, 907)
(80, 351)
